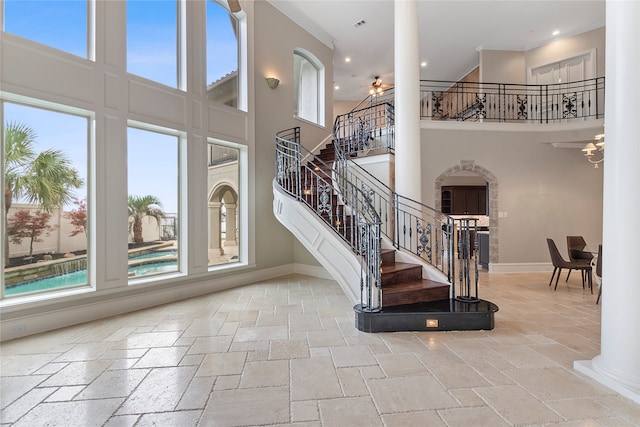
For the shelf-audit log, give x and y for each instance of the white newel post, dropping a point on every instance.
(618, 365)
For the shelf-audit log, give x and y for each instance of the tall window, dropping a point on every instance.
(152, 40)
(61, 24)
(308, 80)
(223, 30)
(153, 180)
(223, 202)
(45, 222)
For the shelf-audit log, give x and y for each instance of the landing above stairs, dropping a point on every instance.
(443, 315)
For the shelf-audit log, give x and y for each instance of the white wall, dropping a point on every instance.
(274, 49)
(542, 191)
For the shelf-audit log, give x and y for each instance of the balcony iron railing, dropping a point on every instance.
(503, 102)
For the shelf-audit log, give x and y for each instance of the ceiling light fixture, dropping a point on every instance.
(598, 147)
(423, 64)
(347, 59)
(555, 33)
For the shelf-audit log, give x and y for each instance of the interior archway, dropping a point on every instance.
(470, 166)
(223, 220)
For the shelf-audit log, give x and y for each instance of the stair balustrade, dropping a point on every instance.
(435, 237)
(346, 210)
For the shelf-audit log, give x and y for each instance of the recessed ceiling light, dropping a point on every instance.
(347, 59)
(336, 87)
(555, 33)
(423, 64)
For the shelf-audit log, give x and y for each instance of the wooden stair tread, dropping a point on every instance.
(399, 266)
(413, 285)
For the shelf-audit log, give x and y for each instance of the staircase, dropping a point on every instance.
(421, 280)
(402, 283)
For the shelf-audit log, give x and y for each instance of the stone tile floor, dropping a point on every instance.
(285, 352)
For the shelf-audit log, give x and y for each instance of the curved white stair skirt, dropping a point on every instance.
(332, 252)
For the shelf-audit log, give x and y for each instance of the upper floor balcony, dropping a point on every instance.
(505, 102)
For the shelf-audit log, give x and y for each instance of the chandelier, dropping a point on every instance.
(591, 149)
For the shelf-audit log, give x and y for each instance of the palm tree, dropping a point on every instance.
(140, 207)
(46, 179)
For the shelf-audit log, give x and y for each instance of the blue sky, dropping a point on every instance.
(151, 53)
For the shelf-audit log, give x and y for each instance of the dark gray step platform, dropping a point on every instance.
(443, 315)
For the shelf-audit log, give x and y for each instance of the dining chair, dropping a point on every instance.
(599, 271)
(559, 263)
(575, 247)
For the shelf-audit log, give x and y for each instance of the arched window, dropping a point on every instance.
(308, 78)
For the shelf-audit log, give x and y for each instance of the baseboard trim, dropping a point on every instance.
(521, 267)
(312, 270)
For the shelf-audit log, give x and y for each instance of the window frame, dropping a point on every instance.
(90, 185)
(181, 202)
(320, 87)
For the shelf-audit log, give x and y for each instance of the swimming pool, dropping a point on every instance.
(78, 278)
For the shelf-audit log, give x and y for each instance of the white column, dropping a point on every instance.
(407, 100)
(230, 230)
(618, 365)
(215, 219)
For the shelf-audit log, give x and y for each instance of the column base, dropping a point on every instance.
(589, 368)
(216, 252)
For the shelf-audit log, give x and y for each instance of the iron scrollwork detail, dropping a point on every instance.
(569, 105)
(324, 198)
(480, 106)
(436, 109)
(522, 107)
(424, 238)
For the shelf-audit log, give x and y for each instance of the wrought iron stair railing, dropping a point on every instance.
(435, 237)
(346, 210)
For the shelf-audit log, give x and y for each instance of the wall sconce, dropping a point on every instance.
(272, 82)
(591, 147)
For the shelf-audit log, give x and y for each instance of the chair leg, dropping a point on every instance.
(599, 293)
(557, 277)
(589, 277)
(568, 274)
(553, 275)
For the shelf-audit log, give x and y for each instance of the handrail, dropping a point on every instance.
(357, 222)
(513, 103)
(435, 237)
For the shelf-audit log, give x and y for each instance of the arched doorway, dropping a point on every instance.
(470, 167)
(223, 220)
